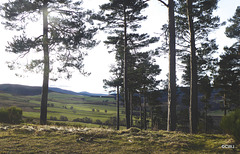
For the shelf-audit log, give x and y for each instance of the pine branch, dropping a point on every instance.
(163, 3)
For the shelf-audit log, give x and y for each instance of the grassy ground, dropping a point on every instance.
(52, 139)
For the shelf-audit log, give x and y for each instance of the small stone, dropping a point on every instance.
(80, 139)
(108, 141)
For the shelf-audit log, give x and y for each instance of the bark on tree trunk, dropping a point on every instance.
(145, 113)
(44, 99)
(140, 111)
(206, 119)
(172, 117)
(193, 108)
(225, 104)
(131, 108)
(151, 117)
(117, 107)
(125, 80)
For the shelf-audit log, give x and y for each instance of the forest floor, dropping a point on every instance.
(26, 138)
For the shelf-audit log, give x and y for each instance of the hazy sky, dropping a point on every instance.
(99, 60)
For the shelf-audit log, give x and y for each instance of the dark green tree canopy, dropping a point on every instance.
(227, 78)
(233, 31)
(114, 11)
(204, 22)
(228, 75)
(112, 18)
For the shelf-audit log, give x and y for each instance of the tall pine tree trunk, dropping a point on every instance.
(206, 118)
(118, 108)
(145, 113)
(193, 108)
(44, 100)
(141, 119)
(172, 118)
(151, 112)
(125, 79)
(131, 108)
(225, 104)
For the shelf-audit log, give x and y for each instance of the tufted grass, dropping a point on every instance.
(56, 139)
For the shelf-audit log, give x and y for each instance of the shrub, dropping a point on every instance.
(231, 124)
(63, 118)
(93, 110)
(11, 115)
(112, 121)
(54, 118)
(4, 115)
(98, 122)
(85, 119)
(15, 115)
(78, 120)
(50, 105)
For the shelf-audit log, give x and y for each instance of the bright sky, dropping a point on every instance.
(99, 60)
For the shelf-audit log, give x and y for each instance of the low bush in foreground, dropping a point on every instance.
(12, 115)
(231, 124)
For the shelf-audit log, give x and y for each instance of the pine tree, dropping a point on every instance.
(194, 22)
(172, 116)
(228, 74)
(144, 77)
(65, 35)
(206, 89)
(121, 20)
(233, 31)
(116, 82)
(227, 78)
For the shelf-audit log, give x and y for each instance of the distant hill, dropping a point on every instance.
(85, 93)
(35, 90)
(59, 90)
(21, 89)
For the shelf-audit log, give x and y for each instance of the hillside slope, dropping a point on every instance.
(20, 89)
(36, 90)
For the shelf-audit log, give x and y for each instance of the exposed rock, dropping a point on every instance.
(4, 128)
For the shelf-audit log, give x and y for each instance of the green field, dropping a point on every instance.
(70, 106)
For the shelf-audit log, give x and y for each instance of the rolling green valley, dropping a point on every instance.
(72, 107)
